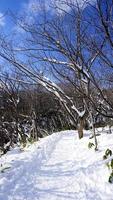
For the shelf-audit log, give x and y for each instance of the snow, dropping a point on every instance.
(58, 167)
(73, 66)
(80, 114)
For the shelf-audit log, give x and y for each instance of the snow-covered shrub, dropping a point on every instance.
(111, 175)
(90, 145)
(109, 164)
(3, 168)
(7, 136)
(108, 153)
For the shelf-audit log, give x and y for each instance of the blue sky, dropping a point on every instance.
(15, 6)
(27, 6)
(30, 8)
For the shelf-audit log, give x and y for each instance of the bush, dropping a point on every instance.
(90, 145)
(109, 164)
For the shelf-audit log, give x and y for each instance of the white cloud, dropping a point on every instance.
(58, 6)
(2, 19)
(63, 6)
(35, 7)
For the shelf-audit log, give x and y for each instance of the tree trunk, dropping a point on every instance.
(93, 129)
(80, 127)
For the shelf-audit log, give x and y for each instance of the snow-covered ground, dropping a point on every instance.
(59, 167)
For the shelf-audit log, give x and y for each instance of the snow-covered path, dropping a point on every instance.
(61, 169)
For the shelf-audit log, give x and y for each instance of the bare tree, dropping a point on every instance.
(65, 45)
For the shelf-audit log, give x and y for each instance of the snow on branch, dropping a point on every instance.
(48, 84)
(73, 66)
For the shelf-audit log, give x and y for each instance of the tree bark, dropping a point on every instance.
(93, 129)
(80, 127)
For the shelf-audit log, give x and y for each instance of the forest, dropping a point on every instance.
(56, 71)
